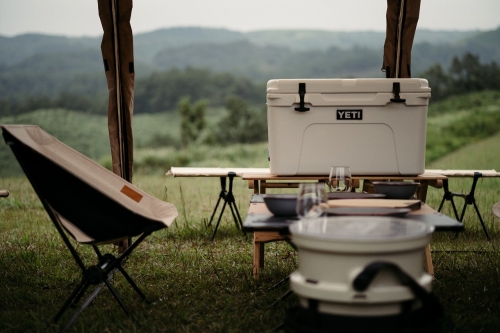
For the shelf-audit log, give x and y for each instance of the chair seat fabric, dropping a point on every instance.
(94, 204)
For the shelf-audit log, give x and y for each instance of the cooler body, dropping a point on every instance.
(374, 126)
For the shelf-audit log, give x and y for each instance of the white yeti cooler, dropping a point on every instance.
(374, 126)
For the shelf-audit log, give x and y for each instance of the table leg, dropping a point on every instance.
(259, 239)
(263, 187)
(256, 187)
(258, 257)
(422, 191)
(422, 196)
(428, 260)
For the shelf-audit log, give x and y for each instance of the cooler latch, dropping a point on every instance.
(302, 93)
(396, 89)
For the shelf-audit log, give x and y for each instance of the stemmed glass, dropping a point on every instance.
(311, 200)
(340, 179)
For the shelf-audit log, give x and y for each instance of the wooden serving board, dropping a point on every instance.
(387, 203)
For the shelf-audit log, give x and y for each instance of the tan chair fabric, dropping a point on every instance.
(113, 187)
(496, 209)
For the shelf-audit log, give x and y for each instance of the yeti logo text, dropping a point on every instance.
(349, 114)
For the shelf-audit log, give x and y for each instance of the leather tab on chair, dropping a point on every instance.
(132, 194)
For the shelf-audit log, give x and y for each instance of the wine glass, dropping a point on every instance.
(340, 179)
(311, 200)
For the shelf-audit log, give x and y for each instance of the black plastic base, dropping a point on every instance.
(301, 320)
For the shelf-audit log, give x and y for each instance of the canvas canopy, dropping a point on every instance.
(402, 17)
(118, 55)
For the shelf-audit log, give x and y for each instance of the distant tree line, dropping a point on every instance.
(162, 91)
(66, 100)
(159, 92)
(465, 75)
(240, 123)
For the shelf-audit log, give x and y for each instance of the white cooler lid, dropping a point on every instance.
(360, 228)
(336, 86)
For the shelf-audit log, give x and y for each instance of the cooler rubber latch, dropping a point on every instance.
(396, 89)
(302, 93)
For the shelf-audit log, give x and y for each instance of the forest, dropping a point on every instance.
(38, 71)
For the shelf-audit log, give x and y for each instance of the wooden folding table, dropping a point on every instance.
(268, 228)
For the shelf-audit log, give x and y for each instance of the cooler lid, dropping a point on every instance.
(332, 86)
(360, 228)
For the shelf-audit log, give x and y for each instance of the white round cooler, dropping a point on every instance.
(333, 251)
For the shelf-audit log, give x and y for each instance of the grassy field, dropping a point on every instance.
(200, 286)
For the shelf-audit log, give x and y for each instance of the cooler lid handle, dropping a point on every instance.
(302, 93)
(396, 89)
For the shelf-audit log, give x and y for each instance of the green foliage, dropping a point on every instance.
(486, 100)
(192, 120)
(64, 77)
(240, 125)
(461, 120)
(159, 160)
(86, 133)
(465, 75)
(65, 100)
(160, 91)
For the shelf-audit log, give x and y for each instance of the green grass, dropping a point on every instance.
(467, 277)
(201, 286)
(195, 285)
(461, 120)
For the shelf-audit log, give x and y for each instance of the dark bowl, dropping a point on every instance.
(281, 204)
(396, 190)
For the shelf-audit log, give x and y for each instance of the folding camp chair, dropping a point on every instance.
(89, 203)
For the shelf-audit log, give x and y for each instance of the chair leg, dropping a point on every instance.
(132, 283)
(107, 267)
(82, 307)
(77, 294)
(117, 297)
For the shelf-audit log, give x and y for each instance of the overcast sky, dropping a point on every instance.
(80, 17)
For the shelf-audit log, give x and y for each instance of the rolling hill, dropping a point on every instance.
(42, 67)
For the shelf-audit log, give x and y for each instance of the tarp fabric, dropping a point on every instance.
(402, 17)
(118, 56)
